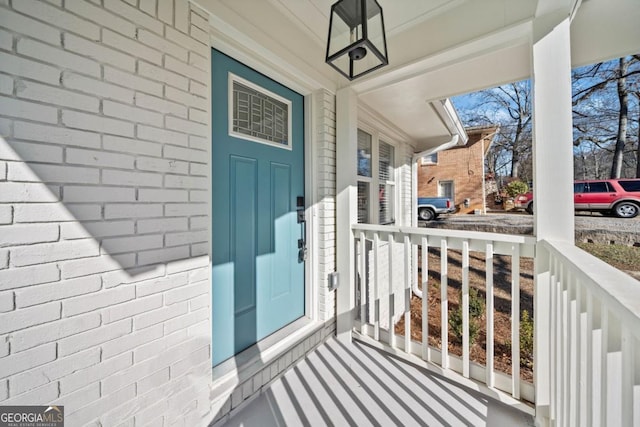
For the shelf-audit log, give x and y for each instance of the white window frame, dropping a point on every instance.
(234, 78)
(392, 181)
(374, 180)
(453, 188)
(427, 160)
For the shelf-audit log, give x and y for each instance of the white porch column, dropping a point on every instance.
(346, 207)
(552, 133)
(553, 177)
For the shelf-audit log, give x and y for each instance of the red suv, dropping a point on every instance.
(620, 197)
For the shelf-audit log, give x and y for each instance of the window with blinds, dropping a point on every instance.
(364, 153)
(430, 159)
(386, 183)
(376, 179)
(363, 202)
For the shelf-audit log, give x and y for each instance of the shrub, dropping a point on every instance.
(515, 188)
(526, 340)
(476, 309)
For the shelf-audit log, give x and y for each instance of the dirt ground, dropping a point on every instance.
(502, 306)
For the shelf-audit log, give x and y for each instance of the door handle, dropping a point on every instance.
(302, 250)
(302, 242)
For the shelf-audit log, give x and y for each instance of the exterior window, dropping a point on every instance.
(364, 154)
(258, 115)
(386, 185)
(363, 202)
(376, 179)
(431, 159)
(445, 189)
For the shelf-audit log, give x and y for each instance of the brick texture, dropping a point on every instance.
(100, 310)
(104, 187)
(326, 198)
(463, 166)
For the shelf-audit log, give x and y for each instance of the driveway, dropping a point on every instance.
(589, 227)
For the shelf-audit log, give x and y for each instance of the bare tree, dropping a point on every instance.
(605, 117)
(623, 98)
(510, 107)
(601, 111)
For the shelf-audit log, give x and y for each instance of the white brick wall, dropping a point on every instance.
(326, 202)
(103, 114)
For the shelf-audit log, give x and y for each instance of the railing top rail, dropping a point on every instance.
(461, 234)
(619, 291)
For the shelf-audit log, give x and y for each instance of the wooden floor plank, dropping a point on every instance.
(354, 384)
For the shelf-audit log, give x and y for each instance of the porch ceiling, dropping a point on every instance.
(437, 48)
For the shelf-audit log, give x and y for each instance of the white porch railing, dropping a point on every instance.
(386, 269)
(587, 339)
(593, 342)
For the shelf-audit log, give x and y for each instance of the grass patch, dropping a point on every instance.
(620, 256)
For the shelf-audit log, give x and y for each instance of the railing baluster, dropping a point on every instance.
(571, 351)
(604, 351)
(515, 321)
(635, 360)
(628, 375)
(558, 346)
(578, 353)
(562, 355)
(424, 250)
(376, 287)
(444, 304)
(553, 325)
(589, 403)
(566, 344)
(465, 309)
(363, 282)
(407, 294)
(392, 334)
(490, 377)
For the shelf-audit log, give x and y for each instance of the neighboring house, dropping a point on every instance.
(458, 172)
(180, 182)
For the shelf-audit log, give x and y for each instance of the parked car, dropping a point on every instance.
(524, 201)
(620, 197)
(430, 207)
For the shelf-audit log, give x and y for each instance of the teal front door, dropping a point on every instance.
(258, 189)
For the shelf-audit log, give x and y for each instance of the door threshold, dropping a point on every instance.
(251, 361)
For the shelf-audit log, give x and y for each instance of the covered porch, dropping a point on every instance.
(586, 369)
(108, 218)
(586, 359)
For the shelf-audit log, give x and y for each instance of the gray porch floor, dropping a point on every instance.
(358, 385)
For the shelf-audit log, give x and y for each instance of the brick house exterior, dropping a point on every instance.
(459, 168)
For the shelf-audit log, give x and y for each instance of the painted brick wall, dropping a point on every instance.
(462, 165)
(104, 294)
(326, 198)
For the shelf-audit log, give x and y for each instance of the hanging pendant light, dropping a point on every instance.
(356, 44)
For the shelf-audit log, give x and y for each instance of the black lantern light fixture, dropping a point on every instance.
(357, 44)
